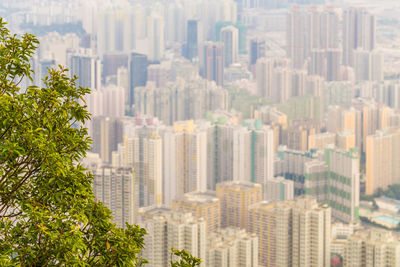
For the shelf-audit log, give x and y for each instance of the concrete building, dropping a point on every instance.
(321, 140)
(368, 65)
(143, 151)
(235, 199)
(137, 73)
(309, 30)
(279, 189)
(201, 204)
(232, 247)
(116, 189)
(87, 68)
(274, 79)
(372, 248)
(344, 183)
(180, 100)
(108, 101)
(359, 32)
(106, 133)
(332, 177)
(382, 160)
(159, 74)
(212, 63)
(229, 37)
(292, 233)
(187, 232)
(167, 229)
(185, 160)
(193, 40)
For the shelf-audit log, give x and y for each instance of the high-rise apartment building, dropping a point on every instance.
(292, 233)
(181, 100)
(257, 50)
(138, 74)
(359, 32)
(232, 247)
(201, 204)
(184, 231)
(368, 65)
(229, 37)
(168, 229)
(382, 160)
(194, 40)
(310, 30)
(106, 133)
(185, 160)
(87, 68)
(240, 152)
(159, 74)
(236, 197)
(278, 189)
(212, 63)
(107, 101)
(372, 248)
(116, 188)
(331, 177)
(143, 151)
(343, 194)
(112, 61)
(274, 79)
(155, 34)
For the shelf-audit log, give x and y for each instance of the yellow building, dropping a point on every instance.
(201, 204)
(292, 233)
(321, 140)
(382, 160)
(236, 197)
(262, 222)
(346, 140)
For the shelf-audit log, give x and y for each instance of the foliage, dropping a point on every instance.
(49, 215)
(185, 259)
(393, 191)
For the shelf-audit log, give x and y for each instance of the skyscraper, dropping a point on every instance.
(167, 229)
(382, 160)
(187, 232)
(359, 32)
(236, 197)
(106, 133)
(257, 50)
(292, 233)
(87, 68)
(212, 62)
(308, 30)
(373, 247)
(143, 152)
(138, 74)
(185, 160)
(232, 247)
(115, 187)
(201, 204)
(230, 40)
(194, 40)
(155, 33)
(112, 61)
(343, 183)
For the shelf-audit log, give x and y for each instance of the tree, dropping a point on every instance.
(185, 259)
(49, 214)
